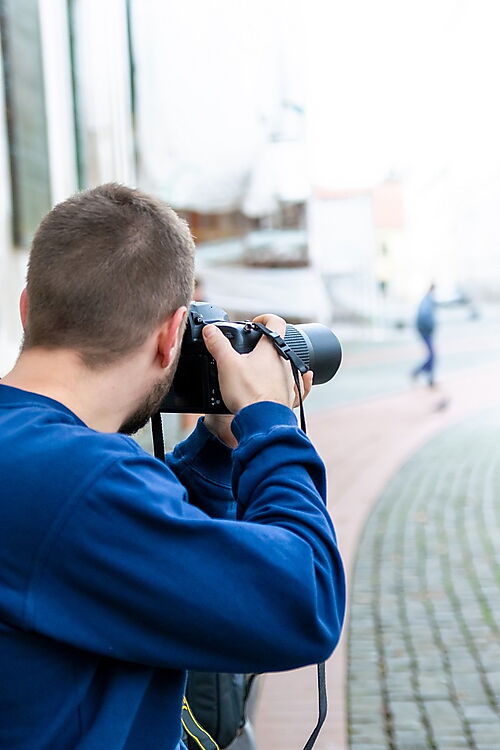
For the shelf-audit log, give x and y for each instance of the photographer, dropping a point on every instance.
(119, 573)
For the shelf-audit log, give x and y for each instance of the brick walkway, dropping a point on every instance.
(424, 638)
(364, 445)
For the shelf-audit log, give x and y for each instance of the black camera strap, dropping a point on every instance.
(282, 347)
(157, 432)
(297, 366)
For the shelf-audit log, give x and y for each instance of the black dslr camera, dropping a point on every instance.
(195, 388)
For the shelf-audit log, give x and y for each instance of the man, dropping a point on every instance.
(116, 576)
(425, 324)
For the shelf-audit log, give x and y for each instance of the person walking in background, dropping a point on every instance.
(426, 325)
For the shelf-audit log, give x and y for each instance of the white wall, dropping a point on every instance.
(103, 83)
(12, 263)
(342, 248)
(211, 81)
(62, 163)
(58, 98)
(342, 234)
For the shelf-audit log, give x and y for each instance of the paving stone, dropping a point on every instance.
(369, 734)
(430, 566)
(482, 714)
(412, 743)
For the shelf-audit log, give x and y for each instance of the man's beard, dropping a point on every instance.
(151, 403)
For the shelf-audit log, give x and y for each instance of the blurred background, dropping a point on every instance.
(333, 159)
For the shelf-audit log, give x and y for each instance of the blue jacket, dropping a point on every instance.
(112, 585)
(426, 315)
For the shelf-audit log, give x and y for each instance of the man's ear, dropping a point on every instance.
(23, 307)
(169, 337)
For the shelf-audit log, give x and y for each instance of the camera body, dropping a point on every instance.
(195, 388)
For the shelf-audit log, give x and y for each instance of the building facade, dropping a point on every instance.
(54, 136)
(177, 98)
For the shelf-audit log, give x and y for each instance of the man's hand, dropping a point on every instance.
(306, 382)
(220, 426)
(260, 375)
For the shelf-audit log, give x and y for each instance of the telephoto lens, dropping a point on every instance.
(318, 347)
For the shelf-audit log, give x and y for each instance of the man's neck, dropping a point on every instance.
(95, 396)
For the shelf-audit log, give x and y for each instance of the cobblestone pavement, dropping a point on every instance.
(424, 635)
(364, 446)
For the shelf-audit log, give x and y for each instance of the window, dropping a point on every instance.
(26, 117)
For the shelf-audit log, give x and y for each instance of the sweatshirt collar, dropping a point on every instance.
(12, 397)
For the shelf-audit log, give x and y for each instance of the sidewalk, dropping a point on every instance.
(364, 445)
(424, 638)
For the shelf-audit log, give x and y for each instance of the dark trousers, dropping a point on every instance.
(427, 365)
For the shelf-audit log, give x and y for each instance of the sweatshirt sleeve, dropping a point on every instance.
(133, 572)
(203, 464)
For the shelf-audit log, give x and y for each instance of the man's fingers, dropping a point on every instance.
(305, 387)
(217, 344)
(273, 322)
(259, 375)
(308, 381)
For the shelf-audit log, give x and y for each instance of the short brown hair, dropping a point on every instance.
(106, 266)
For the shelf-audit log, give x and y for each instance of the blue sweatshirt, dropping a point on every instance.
(118, 573)
(426, 315)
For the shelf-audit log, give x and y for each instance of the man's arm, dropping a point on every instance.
(133, 572)
(202, 463)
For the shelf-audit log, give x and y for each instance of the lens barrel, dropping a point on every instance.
(318, 348)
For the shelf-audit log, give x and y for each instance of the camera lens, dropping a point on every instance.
(318, 348)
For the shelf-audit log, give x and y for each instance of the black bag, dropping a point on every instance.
(213, 713)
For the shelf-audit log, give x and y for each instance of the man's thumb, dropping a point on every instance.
(217, 344)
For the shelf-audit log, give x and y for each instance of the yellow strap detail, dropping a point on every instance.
(186, 707)
(193, 736)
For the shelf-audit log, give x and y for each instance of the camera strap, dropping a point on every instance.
(282, 347)
(191, 726)
(297, 366)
